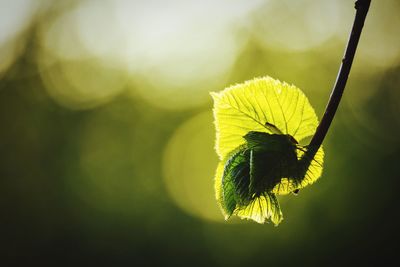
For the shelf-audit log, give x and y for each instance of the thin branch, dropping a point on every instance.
(362, 7)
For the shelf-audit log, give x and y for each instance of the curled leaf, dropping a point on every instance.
(259, 125)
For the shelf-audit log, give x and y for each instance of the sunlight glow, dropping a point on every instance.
(15, 17)
(188, 167)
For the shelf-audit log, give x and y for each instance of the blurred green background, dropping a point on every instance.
(107, 134)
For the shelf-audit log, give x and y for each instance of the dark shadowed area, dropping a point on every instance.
(107, 137)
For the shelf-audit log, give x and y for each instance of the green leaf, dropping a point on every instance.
(247, 107)
(258, 124)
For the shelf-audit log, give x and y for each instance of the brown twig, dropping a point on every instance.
(361, 7)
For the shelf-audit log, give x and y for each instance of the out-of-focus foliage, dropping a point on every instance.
(106, 137)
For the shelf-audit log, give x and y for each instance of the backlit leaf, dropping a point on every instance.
(259, 124)
(247, 107)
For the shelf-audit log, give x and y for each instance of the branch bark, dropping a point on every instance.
(361, 7)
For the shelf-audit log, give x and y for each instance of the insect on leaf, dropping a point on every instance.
(259, 125)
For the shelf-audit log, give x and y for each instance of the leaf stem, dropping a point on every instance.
(361, 7)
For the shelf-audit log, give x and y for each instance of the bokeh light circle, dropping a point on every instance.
(300, 25)
(80, 84)
(189, 162)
